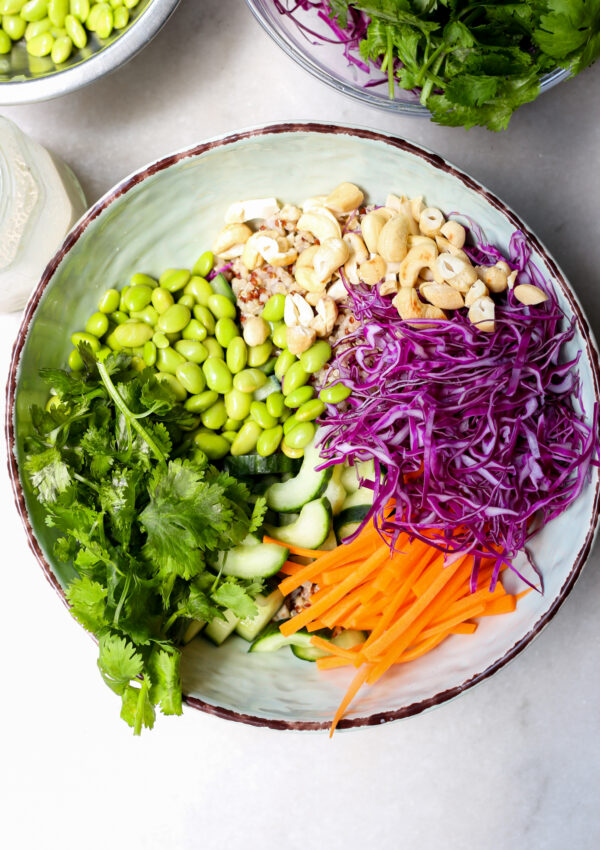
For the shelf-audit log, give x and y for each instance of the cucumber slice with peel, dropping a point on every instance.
(194, 628)
(218, 630)
(308, 485)
(363, 470)
(346, 640)
(271, 640)
(267, 606)
(252, 560)
(310, 530)
(335, 491)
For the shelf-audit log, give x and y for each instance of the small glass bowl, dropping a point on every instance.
(327, 62)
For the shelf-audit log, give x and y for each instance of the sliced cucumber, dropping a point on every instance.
(271, 639)
(220, 286)
(252, 560)
(308, 652)
(330, 542)
(346, 640)
(349, 638)
(272, 385)
(311, 528)
(359, 498)
(253, 464)
(290, 496)
(364, 469)
(194, 627)
(346, 529)
(218, 630)
(335, 491)
(267, 606)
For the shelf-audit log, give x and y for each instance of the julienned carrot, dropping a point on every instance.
(339, 651)
(290, 568)
(297, 550)
(354, 688)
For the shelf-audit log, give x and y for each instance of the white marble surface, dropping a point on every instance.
(513, 765)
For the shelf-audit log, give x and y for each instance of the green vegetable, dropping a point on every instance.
(138, 522)
(475, 62)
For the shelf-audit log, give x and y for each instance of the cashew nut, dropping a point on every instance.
(454, 233)
(389, 285)
(230, 241)
(327, 313)
(447, 247)
(495, 277)
(455, 271)
(321, 223)
(528, 294)
(481, 313)
(431, 221)
(408, 304)
(300, 339)
(297, 311)
(256, 331)
(331, 254)
(312, 203)
(372, 271)
(371, 226)
(418, 258)
(337, 290)
(358, 254)
(442, 295)
(275, 251)
(306, 257)
(306, 279)
(416, 207)
(242, 211)
(477, 290)
(344, 198)
(290, 213)
(392, 243)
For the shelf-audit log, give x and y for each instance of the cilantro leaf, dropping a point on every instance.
(231, 595)
(165, 681)
(571, 32)
(49, 474)
(130, 709)
(118, 661)
(88, 600)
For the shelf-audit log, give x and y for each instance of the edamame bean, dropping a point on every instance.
(237, 404)
(174, 320)
(289, 424)
(118, 317)
(226, 330)
(75, 31)
(109, 303)
(124, 292)
(260, 414)
(275, 404)
(149, 353)
(80, 9)
(202, 401)
(269, 367)
(34, 10)
(61, 49)
(233, 424)
(215, 417)
(316, 357)
(246, 439)
(237, 355)
(310, 410)
(137, 363)
(192, 350)
(214, 446)
(299, 397)
(279, 336)
(259, 354)
(187, 301)
(221, 307)
(218, 377)
(295, 377)
(40, 45)
(203, 314)
(37, 28)
(173, 384)
(168, 360)
(200, 289)
(268, 442)
(191, 376)
(283, 363)
(58, 11)
(229, 435)
(91, 340)
(162, 299)
(194, 330)
(132, 334)
(104, 22)
(214, 349)
(97, 324)
(174, 279)
(204, 264)
(161, 341)
(75, 361)
(102, 353)
(249, 380)
(289, 451)
(300, 436)
(141, 279)
(273, 309)
(112, 342)
(149, 315)
(11, 7)
(334, 394)
(121, 17)
(137, 297)
(14, 26)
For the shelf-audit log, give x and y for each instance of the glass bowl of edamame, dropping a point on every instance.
(158, 222)
(52, 47)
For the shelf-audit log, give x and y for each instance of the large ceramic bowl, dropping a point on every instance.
(26, 79)
(325, 60)
(165, 215)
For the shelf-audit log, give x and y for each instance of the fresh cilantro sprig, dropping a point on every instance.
(140, 514)
(472, 62)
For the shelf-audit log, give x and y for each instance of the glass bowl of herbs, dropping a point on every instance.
(464, 63)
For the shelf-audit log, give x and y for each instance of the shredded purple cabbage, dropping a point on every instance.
(479, 437)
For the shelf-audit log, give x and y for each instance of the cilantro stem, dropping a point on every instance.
(129, 416)
(139, 711)
(390, 62)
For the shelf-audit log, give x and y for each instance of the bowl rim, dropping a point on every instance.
(437, 162)
(304, 60)
(104, 61)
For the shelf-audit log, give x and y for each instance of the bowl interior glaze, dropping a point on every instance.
(166, 215)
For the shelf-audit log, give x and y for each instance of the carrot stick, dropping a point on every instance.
(339, 651)
(330, 662)
(297, 550)
(505, 605)
(338, 574)
(314, 627)
(463, 629)
(354, 688)
(290, 568)
(445, 625)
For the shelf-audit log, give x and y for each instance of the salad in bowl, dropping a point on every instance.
(338, 436)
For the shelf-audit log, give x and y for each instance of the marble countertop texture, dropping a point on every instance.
(512, 765)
